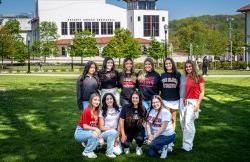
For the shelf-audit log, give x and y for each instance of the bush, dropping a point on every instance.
(45, 70)
(18, 70)
(53, 70)
(36, 69)
(63, 70)
(180, 65)
(139, 66)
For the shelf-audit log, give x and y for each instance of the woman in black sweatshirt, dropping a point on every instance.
(87, 84)
(109, 78)
(127, 81)
(148, 82)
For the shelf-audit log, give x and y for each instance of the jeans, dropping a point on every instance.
(187, 117)
(146, 104)
(110, 136)
(158, 143)
(88, 136)
(137, 134)
(85, 104)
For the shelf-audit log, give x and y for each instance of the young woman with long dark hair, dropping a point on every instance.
(132, 120)
(87, 84)
(108, 123)
(87, 130)
(159, 128)
(148, 82)
(127, 81)
(193, 93)
(109, 78)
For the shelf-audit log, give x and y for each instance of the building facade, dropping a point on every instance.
(141, 17)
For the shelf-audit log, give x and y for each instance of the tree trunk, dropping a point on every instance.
(81, 60)
(2, 62)
(11, 62)
(72, 66)
(44, 59)
(119, 62)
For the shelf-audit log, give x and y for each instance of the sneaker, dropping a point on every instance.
(126, 151)
(111, 155)
(83, 144)
(90, 155)
(170, 148)
(138, 151)
(117, 150)
(186, 150)
(164, 152)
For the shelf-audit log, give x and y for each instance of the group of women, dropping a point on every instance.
(144, 110)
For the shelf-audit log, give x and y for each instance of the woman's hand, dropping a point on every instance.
(196, 107)
(124, 138)
(98, 132)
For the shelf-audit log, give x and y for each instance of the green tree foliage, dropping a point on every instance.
(84, 44)
(48, 37)
(156, 50)
(21, 52)
(122, 45)
(238, 43)
(7, 44)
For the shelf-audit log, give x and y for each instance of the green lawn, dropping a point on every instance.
(38, 116)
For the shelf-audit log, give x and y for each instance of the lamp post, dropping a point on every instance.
(229, 20)
(166, 43)
(28, 41)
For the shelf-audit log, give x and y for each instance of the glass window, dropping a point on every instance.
(79, 26)
(103, 28)
(64, 28)
(117, 25)
(150, 5)
(87, 26)
(72, 28)
(110, 28)
(163, 18)
(142, 5)
(139, 18)
(151, 25)
(95, 27)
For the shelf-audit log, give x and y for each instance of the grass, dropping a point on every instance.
(38, 116)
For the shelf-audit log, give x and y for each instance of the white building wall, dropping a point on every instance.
(80, 11)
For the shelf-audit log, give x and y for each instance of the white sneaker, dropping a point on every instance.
(111, 155)
(164, 152)
(126, 151)
(90, 155)
(117, 150)
(138, 151)
(170, 148)
(83, 144)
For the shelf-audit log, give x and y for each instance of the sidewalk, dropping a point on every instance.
(75, 75)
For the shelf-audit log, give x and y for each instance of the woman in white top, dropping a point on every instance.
(108, 123)
(159, 127)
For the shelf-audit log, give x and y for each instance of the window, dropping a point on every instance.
(103, 28)
(63, 51)
(110, 28)
(150, 5)
(131, 18)
(163, 18)
(95, 27)
(117, 25)
(72, 28)
(79, 26)
(139, 18)
(64, 28)
(87, 26)
(142, 5)
(151, 26)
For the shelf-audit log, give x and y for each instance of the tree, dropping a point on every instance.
(7, 45)
(156, 50)
(36, 49)
(21, 52)
(84, 44)
(48, 37)
(238, 42)
(122, 45)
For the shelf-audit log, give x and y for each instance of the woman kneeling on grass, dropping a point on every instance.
(132, 118)
(108, 122)
(159, 128)
(87, 130)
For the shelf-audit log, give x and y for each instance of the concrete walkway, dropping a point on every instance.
(76, 75)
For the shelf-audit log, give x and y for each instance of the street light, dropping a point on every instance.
(28, 41)
(166, 43)
(229, 20)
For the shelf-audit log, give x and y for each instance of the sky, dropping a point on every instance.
(177, 8)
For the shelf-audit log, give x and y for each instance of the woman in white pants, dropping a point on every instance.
(191, 93)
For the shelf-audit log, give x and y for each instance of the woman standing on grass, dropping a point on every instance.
(193, 90)
(108, 123)
(159, 128)
(87, 84)
(131, 122)
(127, 81)
(170, 92)
(148, 82)
(109, 78)
(87, 130)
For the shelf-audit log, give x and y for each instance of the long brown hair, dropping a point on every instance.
(159, 111)
(195, 76)
(92, 108)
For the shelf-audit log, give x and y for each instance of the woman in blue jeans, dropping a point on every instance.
(159, 128)
(108, 123)
(87, 130)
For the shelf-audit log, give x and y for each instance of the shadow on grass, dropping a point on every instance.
(38, 121)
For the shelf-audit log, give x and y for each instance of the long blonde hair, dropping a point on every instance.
(92, 108)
